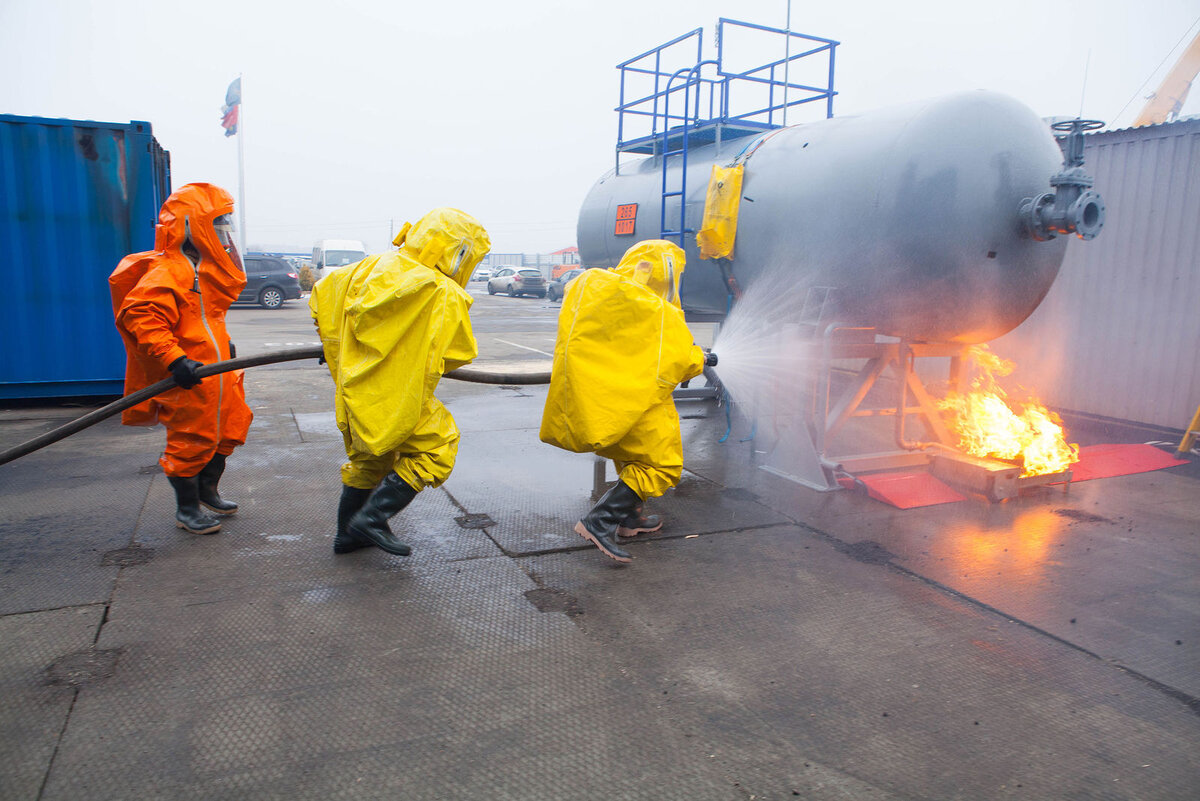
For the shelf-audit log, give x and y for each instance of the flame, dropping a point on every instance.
(988, 425)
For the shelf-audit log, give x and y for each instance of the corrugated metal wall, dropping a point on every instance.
(75, 198)
(1118, 335)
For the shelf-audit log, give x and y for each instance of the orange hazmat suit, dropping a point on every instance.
(166, 307)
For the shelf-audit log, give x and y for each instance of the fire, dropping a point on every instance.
(987, 425)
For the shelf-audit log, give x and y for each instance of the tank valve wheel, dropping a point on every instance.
(1067, 126)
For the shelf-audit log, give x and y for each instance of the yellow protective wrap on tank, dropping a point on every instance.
(391, 326)
(719, 227)
(621, 350)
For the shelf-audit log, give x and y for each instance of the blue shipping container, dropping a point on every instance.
(75, 198)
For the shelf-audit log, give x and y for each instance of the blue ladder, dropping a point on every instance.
(679, 135)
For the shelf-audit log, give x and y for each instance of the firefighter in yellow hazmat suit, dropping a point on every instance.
(622, 348)
(391, 325)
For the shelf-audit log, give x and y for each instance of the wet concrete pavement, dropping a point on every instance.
(772, 642)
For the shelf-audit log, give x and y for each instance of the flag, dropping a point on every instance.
(229, 111)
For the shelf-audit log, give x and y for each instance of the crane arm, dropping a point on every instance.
(1165, 103)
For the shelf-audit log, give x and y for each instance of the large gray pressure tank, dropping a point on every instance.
(911, 215)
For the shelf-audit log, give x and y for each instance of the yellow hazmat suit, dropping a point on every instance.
(622, 348)
(391, 326)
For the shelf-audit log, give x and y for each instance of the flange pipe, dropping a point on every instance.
(1073, 208)
(512, 373)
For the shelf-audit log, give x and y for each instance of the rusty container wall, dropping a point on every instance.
(910, 215)
(75, 197)
(1119, 333)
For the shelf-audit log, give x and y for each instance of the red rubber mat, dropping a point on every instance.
(1105, 461)
(908, 490)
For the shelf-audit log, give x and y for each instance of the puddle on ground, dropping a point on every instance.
(82, 667)
(321, 595)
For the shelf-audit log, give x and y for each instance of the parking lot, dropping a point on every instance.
(770, 643)
(508, 329)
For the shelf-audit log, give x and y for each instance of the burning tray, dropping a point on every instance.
(996, 480)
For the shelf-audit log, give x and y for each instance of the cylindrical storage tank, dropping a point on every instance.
(910, 215)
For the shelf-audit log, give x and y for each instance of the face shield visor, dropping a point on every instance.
(672, 279)
(226, 232)
(462, 264)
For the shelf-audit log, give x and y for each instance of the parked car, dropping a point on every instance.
(270, 281)
(558, 287)
(517, 281)
(482, 274)
(330, 254)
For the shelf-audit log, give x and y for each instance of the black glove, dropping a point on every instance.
(184, 371)
(232, 350)
(710, 359)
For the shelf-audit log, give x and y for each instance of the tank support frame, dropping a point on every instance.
(805, 434)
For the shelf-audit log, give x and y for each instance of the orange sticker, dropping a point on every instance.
(626, 216)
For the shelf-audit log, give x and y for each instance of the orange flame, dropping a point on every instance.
(988, 426)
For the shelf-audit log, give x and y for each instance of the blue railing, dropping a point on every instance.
(690, 79)
(713, 107)
(769, 74)
(648, 105)
(714, 94)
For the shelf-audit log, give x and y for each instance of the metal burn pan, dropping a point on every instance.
(996, 480)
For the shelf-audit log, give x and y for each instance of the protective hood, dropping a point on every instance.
(167, 305)
(189, 213)
(448, 240)
(656, 264)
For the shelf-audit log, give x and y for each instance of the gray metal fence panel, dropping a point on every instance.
(1118, 333)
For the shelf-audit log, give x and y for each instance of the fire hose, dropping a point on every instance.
(477, 375)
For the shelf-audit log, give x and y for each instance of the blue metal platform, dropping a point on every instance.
(704, 133)
(716, 99)
(683, 101)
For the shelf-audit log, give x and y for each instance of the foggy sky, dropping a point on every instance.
(362, 114)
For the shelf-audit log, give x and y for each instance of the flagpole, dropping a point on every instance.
(241, 135)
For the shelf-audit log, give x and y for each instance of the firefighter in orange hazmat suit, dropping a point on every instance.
(621, 349)
(391, 325)
(170, 306)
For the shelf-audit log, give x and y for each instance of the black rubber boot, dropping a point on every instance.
(352, 500)
(637, 523)
(370, 524)
(188, 514)
(209, 477)
(599, 526)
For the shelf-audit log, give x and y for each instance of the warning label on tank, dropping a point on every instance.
(626, 216)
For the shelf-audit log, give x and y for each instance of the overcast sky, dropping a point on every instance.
(364, 113)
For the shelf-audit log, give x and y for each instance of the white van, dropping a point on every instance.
(329, 254)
